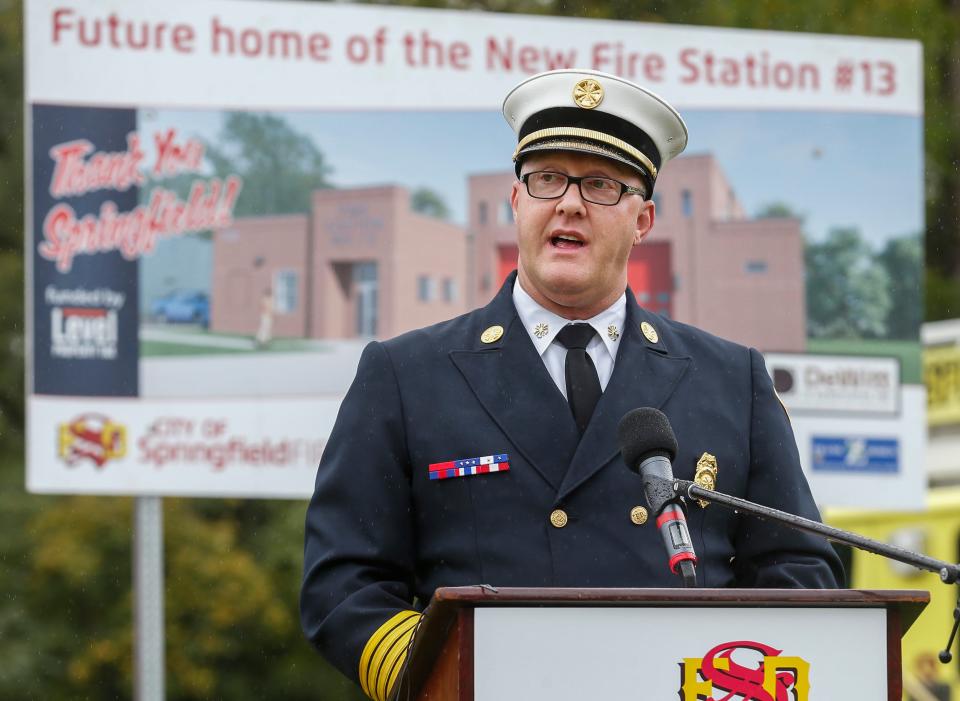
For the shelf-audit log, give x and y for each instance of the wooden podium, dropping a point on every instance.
(483, 643)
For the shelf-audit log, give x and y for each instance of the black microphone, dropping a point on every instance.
(648, 446)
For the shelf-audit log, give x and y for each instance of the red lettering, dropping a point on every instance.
(275, 43)
(72, 175)
(357, 49)
(748, 70)
(135, 233)
(172, 158)
(459, 55)
(58, 25)
(117, 33)
(317, 47)
(614, 58)
(531, 59)
(427, 51)
(687, 58)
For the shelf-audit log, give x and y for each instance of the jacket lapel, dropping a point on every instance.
(645, 374)
(512, 384)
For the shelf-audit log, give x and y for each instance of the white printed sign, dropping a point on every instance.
(836, 383)
(90, 445)
(222, 54)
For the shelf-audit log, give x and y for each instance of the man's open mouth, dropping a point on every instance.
(566, 241)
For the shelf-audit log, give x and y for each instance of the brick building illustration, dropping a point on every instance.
(362, 263)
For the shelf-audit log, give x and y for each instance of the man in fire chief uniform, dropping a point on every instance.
(484, 449)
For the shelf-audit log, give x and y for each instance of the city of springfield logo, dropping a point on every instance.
(91, 437)
(718, 677)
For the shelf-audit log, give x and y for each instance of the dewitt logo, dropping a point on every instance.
(717, 677)
(83, 332)
(91, 437)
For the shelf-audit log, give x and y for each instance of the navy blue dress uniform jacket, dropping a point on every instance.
(380, 535)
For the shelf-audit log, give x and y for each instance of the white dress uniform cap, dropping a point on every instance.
(596, 113)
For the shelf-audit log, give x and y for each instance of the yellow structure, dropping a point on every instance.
(941, 375)
(934, 532)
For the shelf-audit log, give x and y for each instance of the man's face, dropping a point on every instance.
(573, 253)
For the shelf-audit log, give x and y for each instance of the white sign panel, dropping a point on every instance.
(88, 445)
(876, 462)
(836, 383)
(281, 55)
(550, 654)
(190, 330)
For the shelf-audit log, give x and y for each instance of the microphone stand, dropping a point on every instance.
(949, 573)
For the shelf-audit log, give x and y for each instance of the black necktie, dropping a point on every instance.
(583, 384)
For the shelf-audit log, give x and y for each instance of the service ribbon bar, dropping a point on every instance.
(469, 466)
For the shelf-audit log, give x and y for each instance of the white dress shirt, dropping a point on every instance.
(543, 326)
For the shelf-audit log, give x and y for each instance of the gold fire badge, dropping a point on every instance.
(706, 476)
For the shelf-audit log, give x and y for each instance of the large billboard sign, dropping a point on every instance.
(226, 200)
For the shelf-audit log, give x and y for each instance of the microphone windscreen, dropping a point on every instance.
(644, 433)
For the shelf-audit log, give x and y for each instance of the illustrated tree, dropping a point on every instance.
(777, 210)
(280, 167)
(902, 258)
(848, 293)
(428, 202)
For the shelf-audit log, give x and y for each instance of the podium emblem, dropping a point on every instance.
(716, 674)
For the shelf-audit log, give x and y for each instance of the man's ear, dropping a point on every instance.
(645, 219)
(514, 197)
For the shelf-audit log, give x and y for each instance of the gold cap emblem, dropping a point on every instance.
(638, 515)
(588, 93)
(492, 334)
(649, 332)
(706, 476)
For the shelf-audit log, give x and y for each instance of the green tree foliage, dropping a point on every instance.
(232, 627)
(279, 166)
(903, 260)
(11, 229)
(942, 295)
(847, 290)
(428, 202)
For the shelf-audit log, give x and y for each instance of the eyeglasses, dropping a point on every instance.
(547, 185)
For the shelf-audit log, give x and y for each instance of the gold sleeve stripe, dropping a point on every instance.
(374, 642)
(392, 646)
(402, 622)
(389, 669)
(393, 671)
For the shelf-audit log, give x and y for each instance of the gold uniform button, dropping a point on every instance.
(558, 518)
(638, 515)
(492, 334)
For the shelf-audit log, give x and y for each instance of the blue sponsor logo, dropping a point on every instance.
(856, 454)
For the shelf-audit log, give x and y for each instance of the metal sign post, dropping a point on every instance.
(148, 592)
